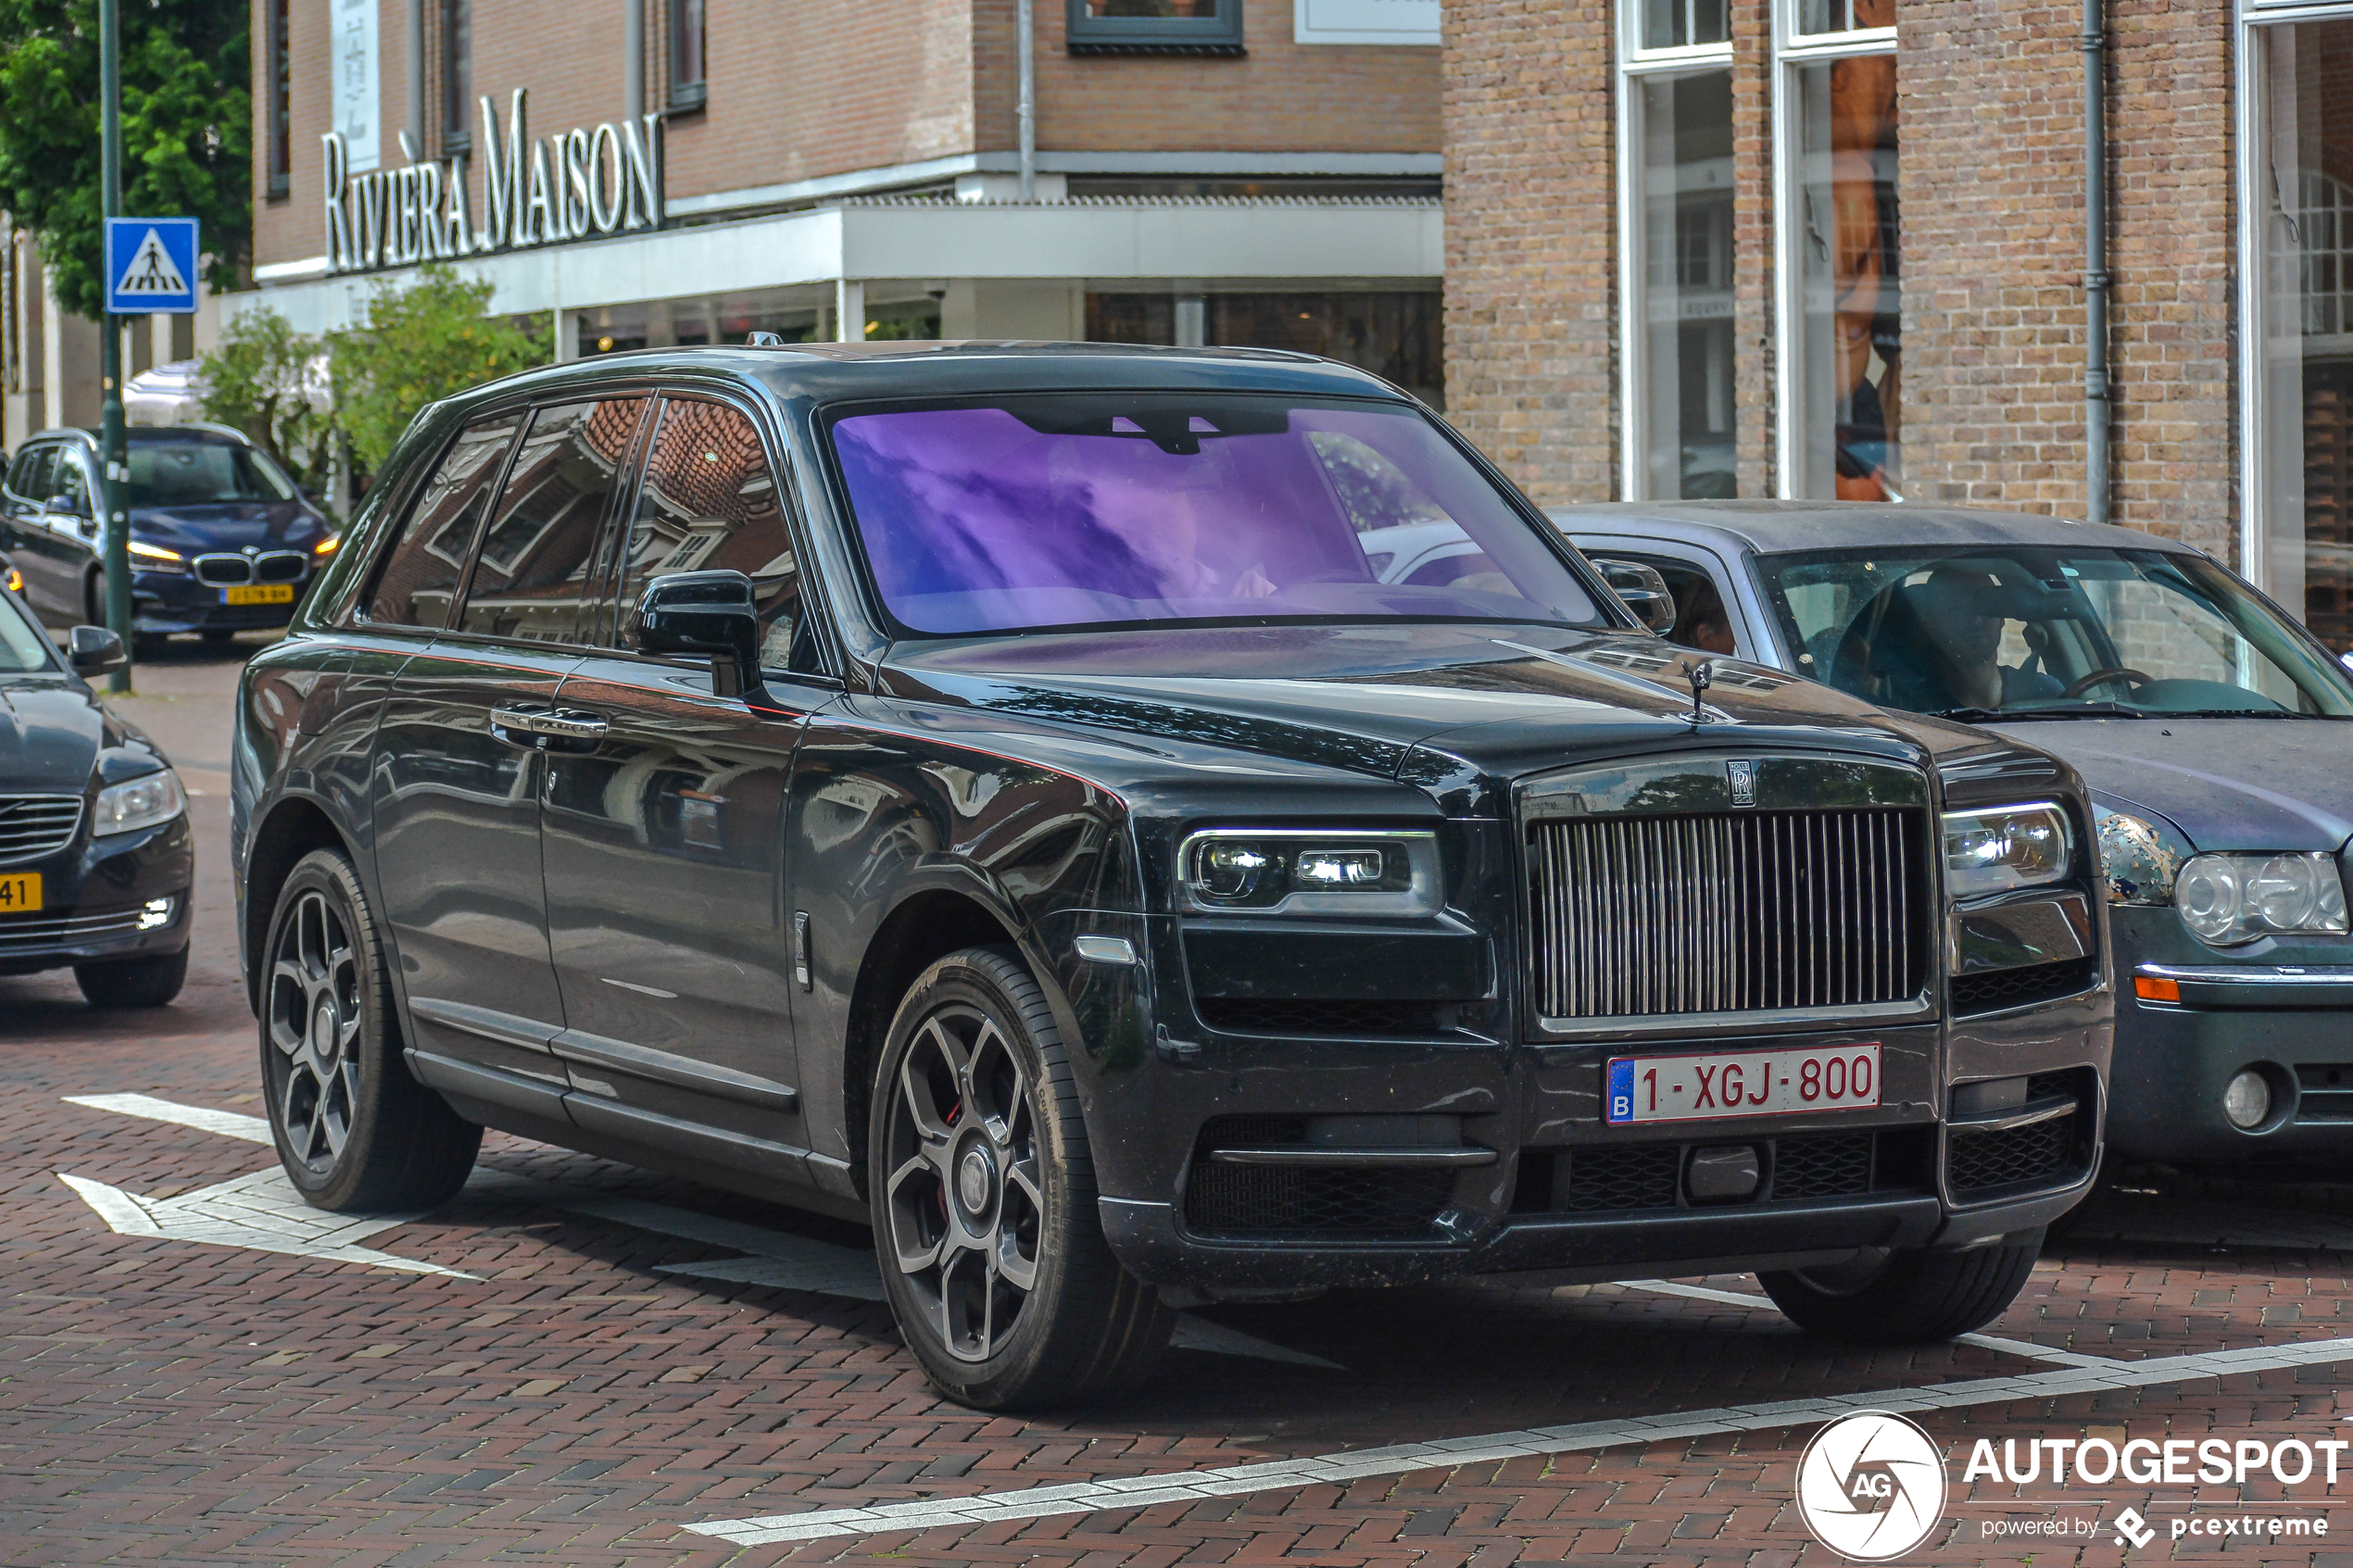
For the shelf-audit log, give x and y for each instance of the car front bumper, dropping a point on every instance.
(165, 603)
(96, 895)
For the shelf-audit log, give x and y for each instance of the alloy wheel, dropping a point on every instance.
(314, 1023)
(964, 1202)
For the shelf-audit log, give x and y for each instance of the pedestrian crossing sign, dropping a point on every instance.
(151, 264)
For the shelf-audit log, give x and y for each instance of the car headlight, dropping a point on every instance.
(2011, 846)
(2230, 898)
(1312, 870)
(147, 801)
(154, 557)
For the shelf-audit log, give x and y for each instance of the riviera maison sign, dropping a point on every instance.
(576, 185)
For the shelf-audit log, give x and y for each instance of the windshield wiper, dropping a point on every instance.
(2004, 715)
(2238, 713)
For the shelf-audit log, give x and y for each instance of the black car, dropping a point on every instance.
(988, 790)
(95, 856)
(2215, 732)
(221, 541)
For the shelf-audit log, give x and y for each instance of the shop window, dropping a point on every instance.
(1816, 17)
(277, 27)
(688, 86)
(1155, 27)
(1395, 335)
(1681, 24)
(457, 75)
(2303, 400)
(1842, 310)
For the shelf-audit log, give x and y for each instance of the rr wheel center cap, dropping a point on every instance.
(976, 1181)
(325, 1028)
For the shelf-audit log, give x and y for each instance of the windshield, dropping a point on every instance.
(2046, 633)
(1115, 509)
(22, 647)
(198, 474)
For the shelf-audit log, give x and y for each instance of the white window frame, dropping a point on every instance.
(1792, 50)
(1633, 307)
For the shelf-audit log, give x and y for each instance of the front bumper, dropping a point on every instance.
(96, 893)
(163, 603)
(2291, 1021)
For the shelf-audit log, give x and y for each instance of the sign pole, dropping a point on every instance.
(112, 457)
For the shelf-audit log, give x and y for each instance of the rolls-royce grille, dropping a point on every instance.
(34, 825)
(1739, 912)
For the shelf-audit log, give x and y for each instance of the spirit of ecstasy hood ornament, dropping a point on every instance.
(1701, 675)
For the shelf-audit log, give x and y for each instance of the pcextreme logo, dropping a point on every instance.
(1871, 1485)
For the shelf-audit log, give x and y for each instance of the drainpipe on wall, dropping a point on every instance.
(632, 61)
(2096, 401)
(1026, 108)
(415, 146)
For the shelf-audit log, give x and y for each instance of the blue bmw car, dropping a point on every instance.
(221, 541)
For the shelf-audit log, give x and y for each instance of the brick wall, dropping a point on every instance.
(1531, 201)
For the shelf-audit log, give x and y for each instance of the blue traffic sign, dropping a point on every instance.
(151, 264)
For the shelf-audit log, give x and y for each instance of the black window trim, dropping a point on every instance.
(1217, 36)
(682, 96)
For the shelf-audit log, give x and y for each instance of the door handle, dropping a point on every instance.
(516, 726)
(572, 724)
(534, 728)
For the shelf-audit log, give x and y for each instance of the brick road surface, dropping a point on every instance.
(167, 1401)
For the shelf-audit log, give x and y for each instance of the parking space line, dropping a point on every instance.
(2024, 1348)
(1191, 1485)
(228, 1123)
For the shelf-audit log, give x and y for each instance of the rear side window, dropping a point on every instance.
(29, 476)
(418, 582)
(709, 501)
(534, 576)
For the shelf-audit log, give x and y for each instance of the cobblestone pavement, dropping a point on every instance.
(567, 1393)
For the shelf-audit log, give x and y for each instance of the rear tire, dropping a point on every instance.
(150, 982)
(983, 1191)
(1916, 1295)
(355, 1130)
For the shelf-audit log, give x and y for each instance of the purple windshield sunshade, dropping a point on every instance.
(1062, 512)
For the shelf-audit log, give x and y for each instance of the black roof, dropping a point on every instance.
(1774, 527)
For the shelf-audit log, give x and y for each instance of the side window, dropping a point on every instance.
(417, 581)
(535, 575)
(67, 480)
(1700, 620)
(30, 476)
(709, 501)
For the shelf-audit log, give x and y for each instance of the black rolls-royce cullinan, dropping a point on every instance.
(1003, 793)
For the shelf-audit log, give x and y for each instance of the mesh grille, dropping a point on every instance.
(1640, 1178)
(1728, 913)
(2019, 987)
(1980, 1161)
(279, 566)
(33, 825)
(1317, 1015)
(223, 570)
(1835, 1166)
(1361, 1204)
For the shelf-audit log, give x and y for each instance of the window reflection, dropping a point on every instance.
(533, 578)
(1685, 184)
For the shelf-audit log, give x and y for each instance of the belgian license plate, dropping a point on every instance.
(1706, 1088)
(20, 893)
(259, 594)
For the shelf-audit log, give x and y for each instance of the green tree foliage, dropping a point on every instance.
(419, 344)
(271, 381)
(187, 121)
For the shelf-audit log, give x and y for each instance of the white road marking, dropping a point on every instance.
(262, 1212)
(228, 1123)
(2025, 1348)
(773, 1257)
(1190, 1485)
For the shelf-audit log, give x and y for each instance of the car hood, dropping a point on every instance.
(1452, 708)
(228, 525)
(52, 731)
(2227, 784)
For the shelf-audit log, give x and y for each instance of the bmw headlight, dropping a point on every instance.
(2231, 899)
(2011, 846)
(147, 801)
(1312, 870)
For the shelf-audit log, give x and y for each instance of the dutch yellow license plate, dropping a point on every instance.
(20, 893)
(259, 594)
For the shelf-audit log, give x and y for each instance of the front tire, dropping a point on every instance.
(355, 1130)
(983, 1192)
(150, 982)
(1914, 1295)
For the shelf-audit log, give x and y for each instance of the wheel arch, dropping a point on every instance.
(293, 827)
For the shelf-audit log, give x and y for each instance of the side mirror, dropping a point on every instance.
(66, 506)
(712, 613)
(94, 650)
(1644, 590)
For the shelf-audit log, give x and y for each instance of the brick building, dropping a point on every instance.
(657, 171)
(1820, 249)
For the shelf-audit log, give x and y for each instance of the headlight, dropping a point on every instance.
(144, 802)
(2140, 862)
(2230, 898)
(2014, 846)
(154, 557)
(1312, 870)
